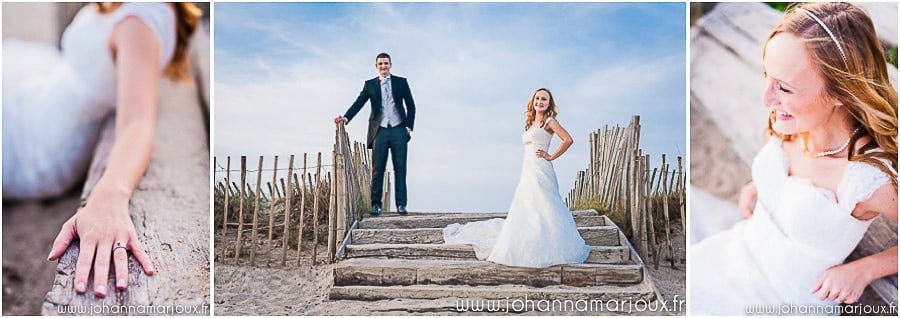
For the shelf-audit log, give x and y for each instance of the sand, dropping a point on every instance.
(671, 281)
(29, 229)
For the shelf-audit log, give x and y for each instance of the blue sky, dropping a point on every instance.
(284, 70)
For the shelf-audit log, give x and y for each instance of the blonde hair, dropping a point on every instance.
(857, 78)
(187, 17)
(530, 113)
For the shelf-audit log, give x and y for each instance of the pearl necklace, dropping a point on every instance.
(836, 150)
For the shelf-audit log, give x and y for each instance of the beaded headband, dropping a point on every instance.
(827, 30)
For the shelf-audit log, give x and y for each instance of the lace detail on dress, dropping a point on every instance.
(860, 181)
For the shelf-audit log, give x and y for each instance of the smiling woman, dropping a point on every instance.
(828, 170)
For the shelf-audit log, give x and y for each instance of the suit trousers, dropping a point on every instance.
(395, 140)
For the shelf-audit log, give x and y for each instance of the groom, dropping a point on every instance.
(390, 127)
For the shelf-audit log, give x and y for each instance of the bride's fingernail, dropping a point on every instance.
(80, 288)
(49, 256)
(120, 283)
(100, 291)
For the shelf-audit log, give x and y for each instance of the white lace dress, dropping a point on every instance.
(539, 230)
(797, 231)
(54, 100)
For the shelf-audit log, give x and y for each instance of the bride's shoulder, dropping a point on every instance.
(157, 15)
(875, 200)
(160, 7)
(871, 184)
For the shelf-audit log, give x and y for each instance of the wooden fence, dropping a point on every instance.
(619, 179)
(334, 194)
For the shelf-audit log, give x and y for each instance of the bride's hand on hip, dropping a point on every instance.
(843, 283)
(745, 202)
(543, 154)
(104, 226)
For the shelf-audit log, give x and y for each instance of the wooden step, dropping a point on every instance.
(599, 254)
(595, 235)
(498, 213)
(512, 292)
(382, 272)
(442, 220)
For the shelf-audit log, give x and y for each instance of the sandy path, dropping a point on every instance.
(28, 230)
(245, 290)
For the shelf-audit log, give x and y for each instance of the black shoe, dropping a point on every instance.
(401, 210)
(376, 210)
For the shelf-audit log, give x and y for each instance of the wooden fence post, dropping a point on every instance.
(303, 189)
(240, 234)
(665, 193)
(255, 213)
(227, 204)
(316, 208)
(680, 194)
(271, 213)
(332, 217)
(288, 195)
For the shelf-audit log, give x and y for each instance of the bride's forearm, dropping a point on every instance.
(128, 159)
(561, 149)
(879, 265)
(137, 61)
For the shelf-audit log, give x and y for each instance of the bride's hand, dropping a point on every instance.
(745, 202)
(843, 283)
(543, 154)
(101, 226)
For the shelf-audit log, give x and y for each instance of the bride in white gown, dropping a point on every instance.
(54, 102)
(539, 230)
(828, 169)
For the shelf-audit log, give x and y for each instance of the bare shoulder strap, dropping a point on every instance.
(547, 121)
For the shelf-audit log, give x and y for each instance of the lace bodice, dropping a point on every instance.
(810, 215)
(537, 138)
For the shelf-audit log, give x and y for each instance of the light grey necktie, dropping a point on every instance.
(387, 99)
(385, 87)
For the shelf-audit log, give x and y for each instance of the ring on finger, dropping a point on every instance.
(119, 245)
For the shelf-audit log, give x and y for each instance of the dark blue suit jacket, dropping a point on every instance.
(371, 91)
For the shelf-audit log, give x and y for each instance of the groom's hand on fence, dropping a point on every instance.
(340, 119)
